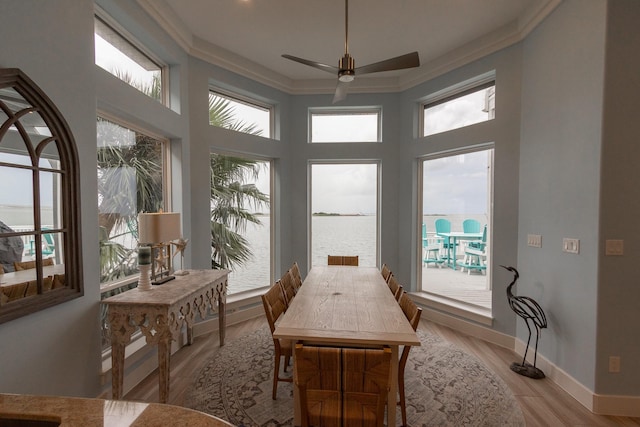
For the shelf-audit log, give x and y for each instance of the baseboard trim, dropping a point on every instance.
(622, 406)
(601, 404)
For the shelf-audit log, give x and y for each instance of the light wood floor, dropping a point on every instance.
(542, 402)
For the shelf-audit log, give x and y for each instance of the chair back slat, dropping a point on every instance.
(395, 287)
(288, 288)
(274, 304)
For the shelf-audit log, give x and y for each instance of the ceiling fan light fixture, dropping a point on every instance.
(346, 76)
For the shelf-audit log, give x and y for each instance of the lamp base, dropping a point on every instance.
(143, 281)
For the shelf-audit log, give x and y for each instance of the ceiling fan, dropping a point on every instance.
(346, 69)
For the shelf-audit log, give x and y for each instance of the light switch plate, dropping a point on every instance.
(571, 246)
(534, 240)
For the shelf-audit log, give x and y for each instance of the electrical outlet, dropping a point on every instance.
(571, 246)
(614, 364)
(534, 240)
(614, 247)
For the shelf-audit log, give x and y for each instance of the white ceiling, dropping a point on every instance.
(249, 36)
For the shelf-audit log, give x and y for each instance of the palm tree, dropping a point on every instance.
(231, 196)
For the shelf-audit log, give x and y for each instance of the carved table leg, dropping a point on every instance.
(222, 321)
(164, 366)
(117, 369)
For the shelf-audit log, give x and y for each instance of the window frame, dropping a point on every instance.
(344, 111)
(309, 230)
(139, 47)
(248, 101)
(272, 215)
(166, 183)
(451, 93)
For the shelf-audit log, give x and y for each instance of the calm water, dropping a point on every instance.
(335, 235)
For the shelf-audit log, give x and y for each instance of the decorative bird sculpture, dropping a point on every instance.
(533, 315)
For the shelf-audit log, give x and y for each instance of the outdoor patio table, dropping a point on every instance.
(452, 241)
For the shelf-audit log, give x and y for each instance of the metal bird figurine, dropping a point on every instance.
(532, 313)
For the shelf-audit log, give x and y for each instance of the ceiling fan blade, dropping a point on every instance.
(409, 60)
(324, 67)
(341, 91)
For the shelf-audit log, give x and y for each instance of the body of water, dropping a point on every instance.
(331, 235)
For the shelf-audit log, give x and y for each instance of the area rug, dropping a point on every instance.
(444, 387)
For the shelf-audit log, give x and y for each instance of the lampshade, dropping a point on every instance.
(158, 227)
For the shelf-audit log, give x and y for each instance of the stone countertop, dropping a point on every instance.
(81, 412)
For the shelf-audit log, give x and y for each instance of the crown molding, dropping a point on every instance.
(499, 39)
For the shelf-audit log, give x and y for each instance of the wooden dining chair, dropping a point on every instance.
(365, 386)
(288, 288)
(295, 274)
(27, 265)
(394, 287)
(274, 305)
(317, 374)
(386, 272)
(334, 260)
(350, 260)
(412, 312)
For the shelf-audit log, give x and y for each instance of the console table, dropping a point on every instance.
(160, 314)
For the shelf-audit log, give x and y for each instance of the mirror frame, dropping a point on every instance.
(69, 195)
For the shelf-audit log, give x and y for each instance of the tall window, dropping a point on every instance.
(456, 200)
(344, 200)
(131, 179)
(345, 125)
(241, 220)
(240, 115)
(122, 58)
(453, 111)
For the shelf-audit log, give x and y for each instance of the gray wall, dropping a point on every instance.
(562, 85)
(57, 350)
(618, 295)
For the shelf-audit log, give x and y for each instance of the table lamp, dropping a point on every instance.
(158, 229)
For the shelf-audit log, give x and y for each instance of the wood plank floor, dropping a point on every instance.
(542, 402)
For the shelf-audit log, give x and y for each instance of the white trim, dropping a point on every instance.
(624, 406)
(501, 38)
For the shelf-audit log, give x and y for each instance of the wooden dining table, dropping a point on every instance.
(344, 306)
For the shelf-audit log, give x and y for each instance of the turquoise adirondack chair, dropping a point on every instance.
(431, 248)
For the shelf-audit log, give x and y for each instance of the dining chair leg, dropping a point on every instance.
(276, 373)
(403, 408)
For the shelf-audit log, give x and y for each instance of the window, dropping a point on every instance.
(344, 200)
(455, 250)
(131, 180)
(120, 57)
(40, 245)
(240, 115)
(463, 108)
(241, 220)
(352, 125)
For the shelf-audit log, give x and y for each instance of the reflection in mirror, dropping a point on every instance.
(39, 207)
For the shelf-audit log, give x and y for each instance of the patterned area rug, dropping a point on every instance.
(444, 386)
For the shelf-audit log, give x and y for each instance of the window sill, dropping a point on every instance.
(457, 308)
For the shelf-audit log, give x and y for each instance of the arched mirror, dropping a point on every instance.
(40, 248)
